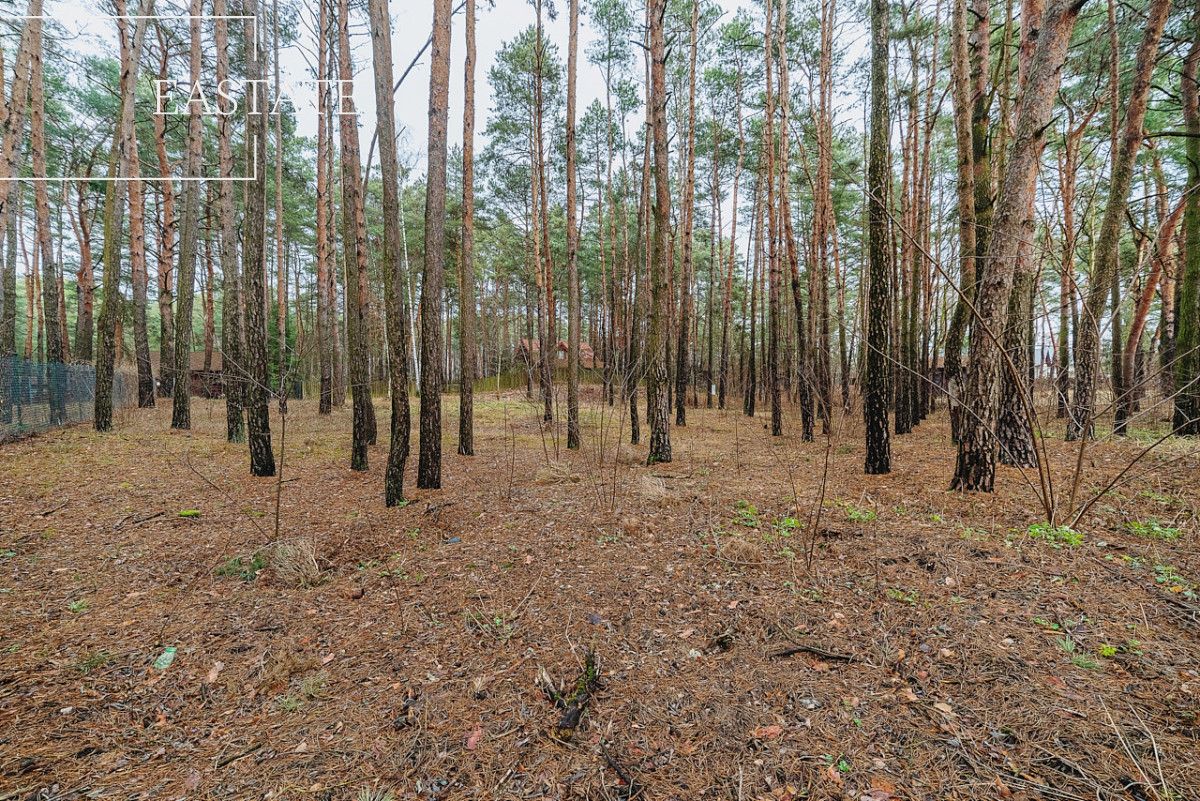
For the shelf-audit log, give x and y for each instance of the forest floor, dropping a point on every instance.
(911, 643)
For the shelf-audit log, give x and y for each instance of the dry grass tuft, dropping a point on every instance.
(557, 473)
(295, 562)
(739, 549)
(651, 487)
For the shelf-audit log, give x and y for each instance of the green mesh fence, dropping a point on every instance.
(35, 396)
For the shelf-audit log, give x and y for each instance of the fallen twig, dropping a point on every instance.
(815, 651)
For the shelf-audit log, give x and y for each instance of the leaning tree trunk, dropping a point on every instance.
(1087, 350)
(1187, 308)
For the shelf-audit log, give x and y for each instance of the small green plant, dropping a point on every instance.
(904, 596)
(189, 512)
(1152, 529)
(1170, 578)
(314, 686)
(1085, 662)
(1055, 536)
(1047, 624)
(747, 514)
(857, 514)
(494, 624)
(7, 553)
(289, 703)
(93, 661)
(1157, 496)
(244, 569)
(1108, 651)
(77, 606)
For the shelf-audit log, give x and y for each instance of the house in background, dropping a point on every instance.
(204, 383)
(529, 352)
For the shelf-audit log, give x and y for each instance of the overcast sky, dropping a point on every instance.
(86, 31)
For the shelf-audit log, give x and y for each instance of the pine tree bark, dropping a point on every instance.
(139, 275)
(167, 244)
(574, 321)
(114, 207)
(1087, 354)
(392, 263)
(41, 198)
(256, 389)
(429, 468)
(14, 117)
(878, 301)
(466, 276)
(960, 319)
(189, 238)
(232, 359)
(657, 397)
(355, 254)
(683, 349)
(975, 469)
(1186, 415)
(325, 257)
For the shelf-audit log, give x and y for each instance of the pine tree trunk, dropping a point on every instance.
(683, 349)
(256, 389)
(429, 469)
(49, 294)
(573, 298)
(1186, 416)
(181, 408)
(466, 264)
(1087, 352)
(392, 262)
(976, 464)
(878, 301)
(232, 366)
(355, 253)
(166, 241)
(114, 207)
(657, 397)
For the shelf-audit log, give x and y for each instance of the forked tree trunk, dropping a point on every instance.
(975, 469)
